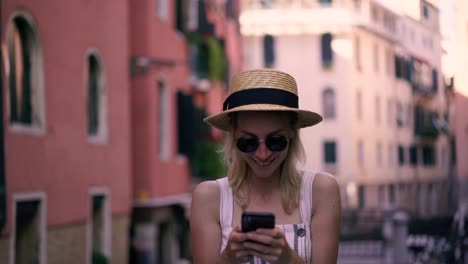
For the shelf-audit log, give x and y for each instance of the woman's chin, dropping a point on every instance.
(264, 171)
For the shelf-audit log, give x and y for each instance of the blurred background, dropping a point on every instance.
(102, 139)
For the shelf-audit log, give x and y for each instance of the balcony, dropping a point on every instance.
(425, 123)
(207, 61)
(424, 79)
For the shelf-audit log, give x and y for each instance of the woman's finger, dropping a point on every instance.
(262, 248)
(260, 238)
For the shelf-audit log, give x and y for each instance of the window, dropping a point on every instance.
(376, 57)
(357, 5)
(180, 16)
(267, 4)
(328, 99)
(29, 228)
(425, 11)
(423, 77)
(381, 196)
(25, 74)
(413, 153)
(400, 115)
(162, 9)
(326, 50)
(330, 151)
(435, 80)
(163, 105)
(268, 51)
(377, 110)
(357, 52)
(389, 112)
(231, 11)
(97, 98)
(379, 154)
(429, 157)
(361, 153)
(401, 155)
(361, 196)
(359, 105)
(391, 194)
(99, 225)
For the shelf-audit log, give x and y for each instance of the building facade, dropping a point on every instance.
(375, 76)
(182, 54)
(102, 115)
(66, 119)
(460, 122)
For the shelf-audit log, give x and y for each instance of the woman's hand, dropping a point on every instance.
(235, 252)
(270, 245)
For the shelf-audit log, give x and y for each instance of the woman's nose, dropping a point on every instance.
(262, 152)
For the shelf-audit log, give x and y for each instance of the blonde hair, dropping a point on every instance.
(290, 175)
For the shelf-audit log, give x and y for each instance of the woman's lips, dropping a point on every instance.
(263, 164)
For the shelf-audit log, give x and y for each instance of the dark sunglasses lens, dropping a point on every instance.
(247, 145)
(276, 143)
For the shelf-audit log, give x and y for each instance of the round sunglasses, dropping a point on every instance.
(274, 143)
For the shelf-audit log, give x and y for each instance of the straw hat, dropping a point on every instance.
(262, 90)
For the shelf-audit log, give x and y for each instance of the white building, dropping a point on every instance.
(375, 77)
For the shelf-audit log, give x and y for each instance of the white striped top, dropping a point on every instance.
(297, 235)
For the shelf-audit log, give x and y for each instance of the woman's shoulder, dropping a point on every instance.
(205, 198)
(324, 181)
(206, 190)
(320, 178)
(325, 184)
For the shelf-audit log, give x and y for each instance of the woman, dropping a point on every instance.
(262, 150)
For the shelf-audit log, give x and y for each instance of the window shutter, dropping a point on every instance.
(435, 80)
(327, 52)
(268, 51)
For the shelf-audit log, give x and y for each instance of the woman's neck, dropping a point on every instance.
(264, 186)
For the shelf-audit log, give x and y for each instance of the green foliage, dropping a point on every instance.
(207, 162)
(217, 62)
(99, 258)
(210, 59)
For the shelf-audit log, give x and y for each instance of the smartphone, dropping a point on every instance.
(253, 220)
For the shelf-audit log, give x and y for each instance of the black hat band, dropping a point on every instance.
(261, 96)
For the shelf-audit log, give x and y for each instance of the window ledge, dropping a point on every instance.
(97, 140)
(164, 156)
(32, 130)
(181, 159)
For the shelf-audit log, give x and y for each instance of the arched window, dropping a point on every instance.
(96, 97)
(25, 73)
(328, 99)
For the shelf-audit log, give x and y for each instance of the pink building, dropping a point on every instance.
(460, 132)
(66, 120)
(102, 107)
(182, 53)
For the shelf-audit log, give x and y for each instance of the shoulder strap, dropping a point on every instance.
(306, 197)
(225, 202)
